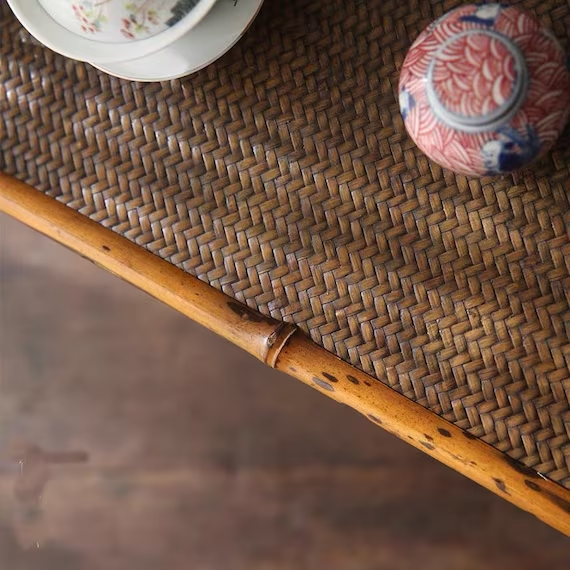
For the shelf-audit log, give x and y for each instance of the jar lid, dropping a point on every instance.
(477, 80)
(484, 89)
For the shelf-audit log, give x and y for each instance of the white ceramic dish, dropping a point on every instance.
(57, 37)
(220, 30)
(121, 21)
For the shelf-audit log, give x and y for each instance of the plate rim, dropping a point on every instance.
(108, 68)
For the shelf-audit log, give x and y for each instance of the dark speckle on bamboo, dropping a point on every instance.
(352, 379)
(375, 419)
(427, 445)
(559, 501)
(367, 383)
(428, 437)
(521, 468)
(323, 384)
(553, 497)
(532, 485)
(248, 314)
(444, 432)
(501, 485)
(330, 377)
(106, 248)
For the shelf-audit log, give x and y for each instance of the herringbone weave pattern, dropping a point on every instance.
(282, 175)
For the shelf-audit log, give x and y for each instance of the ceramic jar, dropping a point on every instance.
(485, 89)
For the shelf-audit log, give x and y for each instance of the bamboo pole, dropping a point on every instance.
(282, 346)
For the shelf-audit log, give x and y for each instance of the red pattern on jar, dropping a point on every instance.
(474, 75)
(536, 125)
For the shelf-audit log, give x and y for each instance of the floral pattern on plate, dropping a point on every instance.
(483, 90)
(116, 20)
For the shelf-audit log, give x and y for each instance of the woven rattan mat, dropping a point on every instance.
(282, 175)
